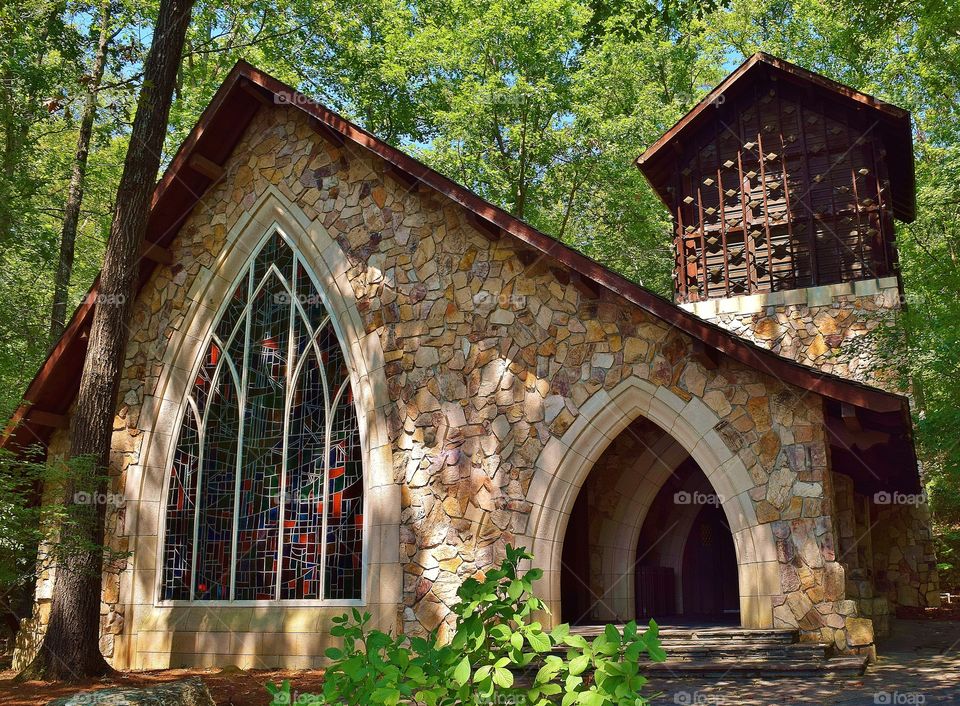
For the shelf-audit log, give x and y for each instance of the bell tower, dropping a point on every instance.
(784, 187)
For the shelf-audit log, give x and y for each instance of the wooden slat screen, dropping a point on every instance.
(782, 191)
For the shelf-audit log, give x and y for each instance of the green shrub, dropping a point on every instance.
(500, 654)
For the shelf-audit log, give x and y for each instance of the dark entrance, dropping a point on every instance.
(710, 569)
(684, 568)
(686, 561)
(575, 566)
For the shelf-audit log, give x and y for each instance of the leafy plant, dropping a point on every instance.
(500, 654)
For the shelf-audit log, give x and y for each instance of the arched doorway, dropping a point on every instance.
(686, 561)
(566, 462)
(647, 538)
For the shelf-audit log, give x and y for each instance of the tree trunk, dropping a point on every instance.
(70, 648)
(14, 136)
(20, 112)
(71, 211)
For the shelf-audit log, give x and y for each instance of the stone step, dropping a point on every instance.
(739, 653)
(755, 668)
(725, 634)
(792, 652)
(813, 654)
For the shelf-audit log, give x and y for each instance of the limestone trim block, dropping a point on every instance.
(814, 296)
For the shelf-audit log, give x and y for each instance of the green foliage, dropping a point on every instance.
(21, 521)
(500, 653)
(35, 535)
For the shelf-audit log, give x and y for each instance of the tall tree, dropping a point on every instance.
(36, 41)
(71, 212)
(70, 648)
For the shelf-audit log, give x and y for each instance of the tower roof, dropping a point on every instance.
(658, 162)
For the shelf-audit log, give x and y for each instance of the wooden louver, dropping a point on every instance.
(778, 186)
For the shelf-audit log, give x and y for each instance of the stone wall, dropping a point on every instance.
(823, 327)
(856, 553)
(473, 358)
(905, 565)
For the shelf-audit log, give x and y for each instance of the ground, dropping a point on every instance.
(919, 664)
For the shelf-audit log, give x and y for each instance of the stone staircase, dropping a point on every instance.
(733, 652)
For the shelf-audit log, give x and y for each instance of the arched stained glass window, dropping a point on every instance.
(265, 500)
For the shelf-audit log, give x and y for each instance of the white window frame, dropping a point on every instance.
(188, 406)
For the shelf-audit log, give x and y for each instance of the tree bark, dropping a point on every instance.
(70, 648)
(71, 211)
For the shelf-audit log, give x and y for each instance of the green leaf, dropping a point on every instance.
(386, 695)
(579, 664)
(591, 698)
(461, 675)
(576, 641)
(539, 641)
(502, 677)
(612, 634)
(545, 674)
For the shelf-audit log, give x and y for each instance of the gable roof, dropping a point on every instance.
(245, 91)
(892, 123)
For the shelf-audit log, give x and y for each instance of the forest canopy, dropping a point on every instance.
(537, 105)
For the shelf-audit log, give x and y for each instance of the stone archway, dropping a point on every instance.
(565, 463)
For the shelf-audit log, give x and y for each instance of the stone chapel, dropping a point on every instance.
(351, 381)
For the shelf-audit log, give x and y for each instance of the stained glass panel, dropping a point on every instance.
(181, 507)
(303, 514)
(344, 540)
(217, 483)
(265, 394)
(259, 518)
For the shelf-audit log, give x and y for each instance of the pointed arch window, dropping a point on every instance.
(265, 496)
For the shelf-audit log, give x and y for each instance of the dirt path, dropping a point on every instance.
(232, 687)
